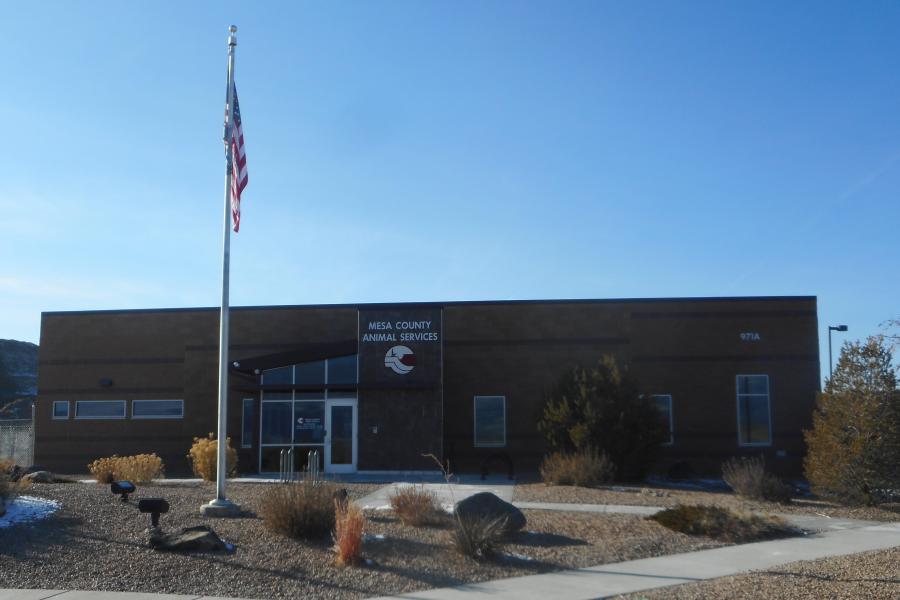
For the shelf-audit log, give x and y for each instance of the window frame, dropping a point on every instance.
(768, 397)
(671, 441)
(68, 411)
(154, 417)
(124, 416)
(475, 423)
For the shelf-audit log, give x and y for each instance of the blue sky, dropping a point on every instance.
(406, 151)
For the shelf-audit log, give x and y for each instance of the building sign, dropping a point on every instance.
(400, 347)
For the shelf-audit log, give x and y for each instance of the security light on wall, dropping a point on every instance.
(106, 382)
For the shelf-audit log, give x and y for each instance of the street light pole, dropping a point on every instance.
(830, 362)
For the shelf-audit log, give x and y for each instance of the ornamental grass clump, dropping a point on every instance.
(722, 524)
(204, 457)
(587, 467)
(349, 523)
(478, 536)
(748, 478)
(140, 468)
(303, 510)
(416, 506)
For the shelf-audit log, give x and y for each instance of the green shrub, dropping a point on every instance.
(587, 467)
(853, 449)
(299, 510)
(204, 457)
(478, 536)
(601, 407)
(722, 523)
(748, 478)
(141, 468)
(416, 506)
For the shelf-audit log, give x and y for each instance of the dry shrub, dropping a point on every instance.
(141, 468)
(204, 457)
(587, 467)
(300, 510)
(478, 536)
(416, 506)
(748, 478)
(349, 522)
(722, 523)
(6, 466)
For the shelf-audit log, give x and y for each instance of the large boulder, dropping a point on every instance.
(190, 539)
(486, 504)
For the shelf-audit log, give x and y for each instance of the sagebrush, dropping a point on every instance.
(586, 467)
(140, 468)
(302, 510)
(722, 523)
(416, 506)
(204, 457)
(749, 479)
(349, 526)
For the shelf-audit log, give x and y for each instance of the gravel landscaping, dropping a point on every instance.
(871, 575)
(659, 496)
(94, 542)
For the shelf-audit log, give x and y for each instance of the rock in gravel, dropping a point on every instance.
(491, 506)
(39, 477)
(190, 539)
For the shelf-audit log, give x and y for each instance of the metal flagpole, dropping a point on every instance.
(221, 506)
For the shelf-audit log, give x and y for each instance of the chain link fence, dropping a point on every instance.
(17, 442)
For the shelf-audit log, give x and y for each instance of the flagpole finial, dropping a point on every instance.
(232, 38)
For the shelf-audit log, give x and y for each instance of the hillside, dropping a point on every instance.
(18, 378)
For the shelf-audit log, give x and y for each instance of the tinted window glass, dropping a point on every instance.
(61, 410)
(276, 422)
(311, 373)
(100, 409)
(490, 421)
(342, 369)
(160, 409)
(279, 376)
(309, 422)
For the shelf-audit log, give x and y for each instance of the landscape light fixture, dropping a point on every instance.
(122, 488)
(154, 506)
(830, 364)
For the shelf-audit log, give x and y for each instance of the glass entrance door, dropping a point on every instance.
(340, 436)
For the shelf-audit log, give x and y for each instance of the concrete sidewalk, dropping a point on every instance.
(446, 494)
(843, 537)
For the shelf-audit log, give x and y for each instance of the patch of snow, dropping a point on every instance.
(515, 556)
(27, 508)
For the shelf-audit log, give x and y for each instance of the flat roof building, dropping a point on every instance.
(374, 387)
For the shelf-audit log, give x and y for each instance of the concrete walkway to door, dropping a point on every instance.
(447, 494)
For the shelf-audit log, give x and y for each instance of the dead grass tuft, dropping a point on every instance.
(301, 510)
(349, 523)
(748, 478)
(416, 506)
(478, 536)
(586, 468)
(723, 524)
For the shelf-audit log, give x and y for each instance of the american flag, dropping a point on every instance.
(238, 163)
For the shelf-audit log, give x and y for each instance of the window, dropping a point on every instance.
(157, 409)
(311, 373)
(753, 411)
(342, 369)
(61, 409)
(279, 376)
(663, 403)
(490, 420)
(247, 414)
(100, 409)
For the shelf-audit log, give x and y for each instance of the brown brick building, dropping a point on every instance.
(375, 386)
